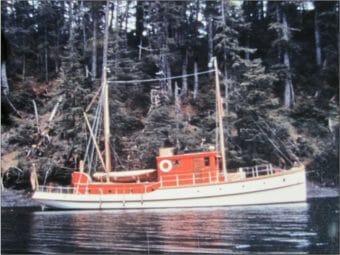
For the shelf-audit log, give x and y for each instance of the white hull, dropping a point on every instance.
(283, 188)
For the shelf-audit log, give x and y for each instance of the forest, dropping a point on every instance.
(279, 72)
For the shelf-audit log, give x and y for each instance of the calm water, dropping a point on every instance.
(297, 228)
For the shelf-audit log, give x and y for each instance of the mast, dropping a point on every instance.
(106, 97)
(220, 120)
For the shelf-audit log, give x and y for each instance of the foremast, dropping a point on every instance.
(220, 114)
(106, 98)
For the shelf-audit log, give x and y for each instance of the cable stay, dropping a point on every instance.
(158, 79)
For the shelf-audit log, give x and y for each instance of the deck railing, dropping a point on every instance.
(173, 180)
(56, 189)
(258, 170)
(76, 190)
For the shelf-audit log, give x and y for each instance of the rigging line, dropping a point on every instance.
(97, 127)
(93, 127)
(159, 79)
(280, 140)
(99, 115)
(118, 158)
(274, 144)
(94, 156)
(97, 120)
(277, 138)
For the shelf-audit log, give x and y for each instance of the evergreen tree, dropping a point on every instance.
(248, 89)
(19, 29)
(285, 46)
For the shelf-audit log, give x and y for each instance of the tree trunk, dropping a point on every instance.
(56, 59)
(140, 50)
(23, 67)
(83, 27)
(126, 18)
(71, 21)
(94, 43)
(117, 35)
(260, 16)
(46, 56)
(184, 91)
(278, 20)
(111, 16)
(84, 36)
(210, 39)
(195, 80)
(169, 81)
(317, 38)
(289, 90)
(222, 11)
(197, 9)
(286, 36)
(140, 20)
(4, 80)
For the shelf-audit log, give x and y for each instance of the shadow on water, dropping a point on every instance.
(295, 228)
(15, 224)
(324, 220)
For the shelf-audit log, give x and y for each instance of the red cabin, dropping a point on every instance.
(172, 171)
(187, 169)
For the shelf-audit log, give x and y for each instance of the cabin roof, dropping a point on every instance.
(190, 155)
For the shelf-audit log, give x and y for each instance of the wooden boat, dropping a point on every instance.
(198, 179)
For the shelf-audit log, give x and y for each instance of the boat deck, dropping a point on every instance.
(171, 181)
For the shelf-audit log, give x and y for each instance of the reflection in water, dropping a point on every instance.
(303, 228)
(324, 220)
(14, 234)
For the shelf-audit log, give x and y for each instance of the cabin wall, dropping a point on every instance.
(187, 169)
(80, 178)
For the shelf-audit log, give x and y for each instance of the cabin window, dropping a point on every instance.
(206, 161)
(220, 166)
(176, 162)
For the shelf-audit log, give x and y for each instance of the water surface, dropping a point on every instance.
(289, 228)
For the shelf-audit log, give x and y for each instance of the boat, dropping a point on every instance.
(193, 179)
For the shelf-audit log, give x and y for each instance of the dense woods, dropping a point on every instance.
(278, 63)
